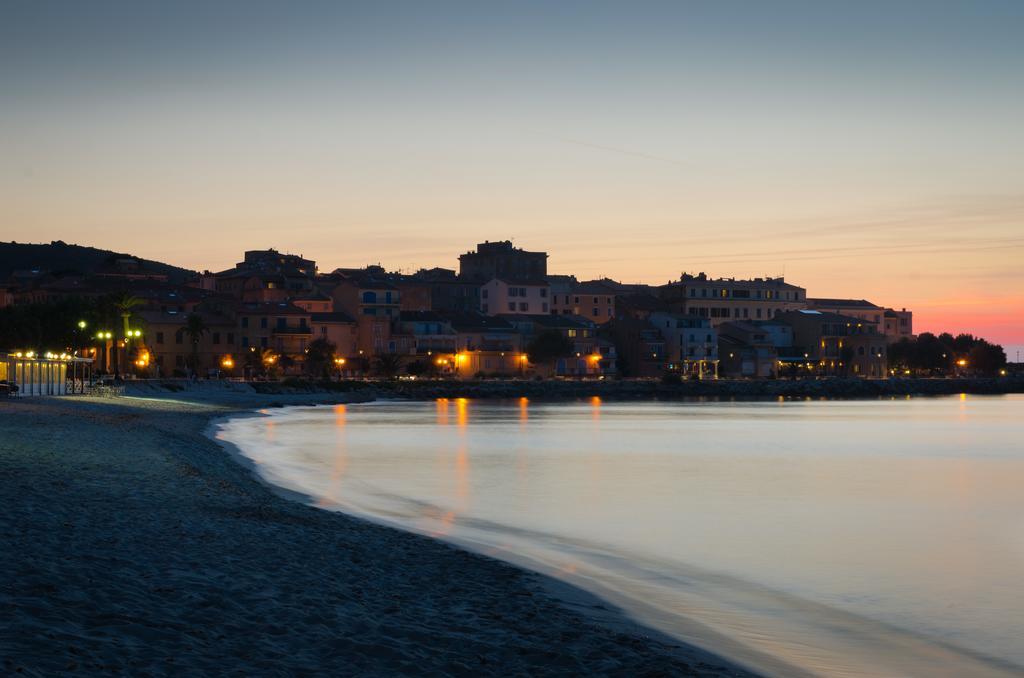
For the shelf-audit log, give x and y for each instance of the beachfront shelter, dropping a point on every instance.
(32, 375)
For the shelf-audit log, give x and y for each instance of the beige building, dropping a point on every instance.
(893, 324)
(502, 297)
(723, 299)
(834, 344)
(592, 299)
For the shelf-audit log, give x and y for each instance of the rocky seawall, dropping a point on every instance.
(293, 389)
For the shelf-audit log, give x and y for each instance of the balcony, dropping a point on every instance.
(294, 330)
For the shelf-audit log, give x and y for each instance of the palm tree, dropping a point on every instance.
(195, 328)
(124, 302)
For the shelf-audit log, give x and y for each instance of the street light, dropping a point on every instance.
(81, 324)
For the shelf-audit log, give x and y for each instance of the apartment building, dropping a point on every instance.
(500, 296)
(593, 299)
(502, 260)
(835, 344)
(691, 343)
(724, 299)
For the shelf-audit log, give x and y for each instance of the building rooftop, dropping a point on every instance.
(473, 321)
(331, 317)
(844, 303)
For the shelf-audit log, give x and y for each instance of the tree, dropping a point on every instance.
(195, 328)
(319, 357)
(424, 367)
(286, 362)
(548, 346)
(388, 364)
(259, 360)
(986, 358)
(125, 302)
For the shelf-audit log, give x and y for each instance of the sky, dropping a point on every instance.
(866, 150)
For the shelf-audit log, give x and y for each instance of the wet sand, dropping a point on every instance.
(135, 544)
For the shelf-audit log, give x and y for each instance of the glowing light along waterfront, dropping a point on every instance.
(844, 538)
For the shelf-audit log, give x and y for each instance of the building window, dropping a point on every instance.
(512, 306)
(245, 342)
(484, 307)
(263, 322)
(369, 311)
(595, 314)
(216, 337)
(571, 333)
(245, 322)
(159, 337)
(369, 297)
(231, 338)
(544, 307)
(543, 292)
(483, 293)
(523, 306)
(178, 336)
(323, 329)
(263, 342)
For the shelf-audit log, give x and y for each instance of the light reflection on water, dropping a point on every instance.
(842, 537)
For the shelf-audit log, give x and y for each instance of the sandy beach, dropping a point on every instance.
(134, 544)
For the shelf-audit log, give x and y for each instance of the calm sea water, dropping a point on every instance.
(838, 537)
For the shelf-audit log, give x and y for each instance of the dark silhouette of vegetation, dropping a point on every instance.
(424, 367)
(195, 328)
(285, 362)
(319, 358)
(388, 365)
(931, 355)
(548, 346)
(62, 258)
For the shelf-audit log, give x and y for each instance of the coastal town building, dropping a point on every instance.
(449, 292)
(502, 260)
(747, 350)
(691, 344)
(724, 299)
(500, 296)
(894, 324)
(836, 344)
(593, 299)
(898, 324)
(639, 347)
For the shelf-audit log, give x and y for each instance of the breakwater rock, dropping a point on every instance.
(653, 389)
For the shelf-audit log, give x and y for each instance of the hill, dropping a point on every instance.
(59, 257)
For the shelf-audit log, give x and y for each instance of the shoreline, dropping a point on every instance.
(140, 544)
(275, 394)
